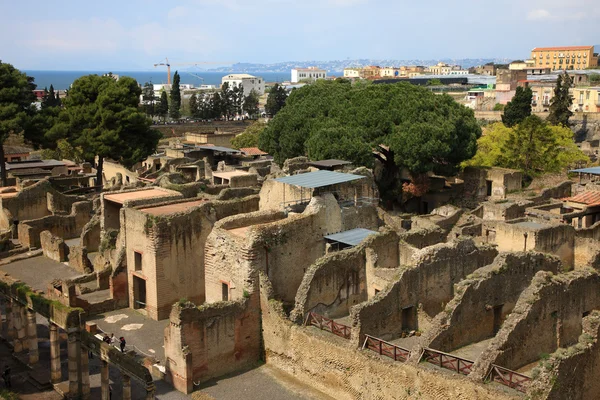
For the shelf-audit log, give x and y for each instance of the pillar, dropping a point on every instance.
(104, 382)
(2, 301)
(32, 338)
(85, 375)
(55, 371)
(18, 327)
(74, 352)
(150, 393)
(126, 387)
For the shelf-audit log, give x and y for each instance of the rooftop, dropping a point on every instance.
(318, 179)
(217, 149)
(563, 48)
(591, 170)
(34, 164)
(136, 195)
(590, 198)
(230, 174)
(173, 208)
(329, 163)
(8, 149)
(252, 151)
(238, 76)
(352, 237)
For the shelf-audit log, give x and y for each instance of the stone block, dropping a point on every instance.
(78, 259)
(54, 247)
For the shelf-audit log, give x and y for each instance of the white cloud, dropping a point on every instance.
(345, 3)
(539, 14)
(177, 12)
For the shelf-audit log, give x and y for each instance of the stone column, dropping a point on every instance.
(55, 370)
(104, 381)
(126, 387)
(18, 327)
(2, 301)
(85, 375)
(32, 338)
(150, 393)
(74, 352)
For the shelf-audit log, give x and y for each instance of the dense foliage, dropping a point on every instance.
(175, 105)
(560, 105)
(276, 99)
(16, 97)
(163, 105)
(419, 130)
(518, 108)
(249, 138)
(101, 116)
(148, 99)
(533, 146)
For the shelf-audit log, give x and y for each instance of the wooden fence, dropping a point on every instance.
(329, 325)
(508, 378)
(387, 349)
(448, 361)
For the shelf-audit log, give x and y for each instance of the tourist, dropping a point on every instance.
(106, 339)
(113, 339)
(6, 377)
(122, 344)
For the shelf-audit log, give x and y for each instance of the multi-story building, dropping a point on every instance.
(487, 69)
(352, 72)
(389, 72)
(247, 82)
(586, 99)
(370, 72)
(444, 69)
(563, 58)
(307, 74)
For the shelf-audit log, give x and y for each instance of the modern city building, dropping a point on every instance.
(307, 74)
(567, 57)
(247, 82)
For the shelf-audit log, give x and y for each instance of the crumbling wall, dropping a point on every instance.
(502, 211)
(274, 194)
(332, 285)
(64, 226)
(212, 340)
(571, 373)
(337, 368)
(54, 247)
(587, 250)
(411, 242)
(471, 315)
(90, 234)
(548, 315)
(241, 181)
(426, 287)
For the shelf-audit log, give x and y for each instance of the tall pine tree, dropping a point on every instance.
(193, 105)
(148, 98)
(276, 99)
(518, 108)
(163, 106)
(175, 106)
(560, 105)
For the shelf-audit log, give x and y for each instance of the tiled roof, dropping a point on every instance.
(252, 151)
(562, 48)
(8, 149)
(590, 198)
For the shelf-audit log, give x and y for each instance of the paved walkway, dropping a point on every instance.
(38, 272)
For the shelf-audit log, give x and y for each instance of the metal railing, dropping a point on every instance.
(448, 361)
(508, 378)
(329, 325)
(387, 349)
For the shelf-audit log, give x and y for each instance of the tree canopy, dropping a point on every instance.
(163, 106)
(175, 106)
(276, 99)
(518, 108)
(101, 116)
(533, 146)
(249, 138)
(560, 105)
(16, 97)
(250, 105)
(419, 130)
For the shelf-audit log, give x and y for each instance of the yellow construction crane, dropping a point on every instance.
(168, 65)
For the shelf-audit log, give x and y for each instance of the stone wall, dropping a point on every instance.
(548, 315)
(502, 181)
(572, 373)
(241, 181)
(64, 226)
(212, 340)
(54, 247)
(411, 242)
(425, 287)
(471, 316)
(587, 251)
(337, 368)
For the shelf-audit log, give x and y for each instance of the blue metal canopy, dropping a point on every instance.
(318, 179)
(591, 170)
(352, 237)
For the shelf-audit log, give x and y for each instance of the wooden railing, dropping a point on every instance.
(448, 361)
(326, 324)
(508, 378)
(384, 348)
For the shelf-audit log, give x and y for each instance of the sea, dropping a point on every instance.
(62, 80)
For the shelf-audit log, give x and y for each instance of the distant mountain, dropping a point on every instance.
(339, 65)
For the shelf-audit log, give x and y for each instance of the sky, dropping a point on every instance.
(135, 34)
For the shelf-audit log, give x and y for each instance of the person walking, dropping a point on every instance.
(6, 377)
(122, 344)
(113, 339)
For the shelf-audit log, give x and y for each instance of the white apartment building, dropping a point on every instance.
(389, 72)
(307, 74)
(247, 82)
(459, 72)
(352, 72)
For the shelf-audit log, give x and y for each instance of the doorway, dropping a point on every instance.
(488, 188)
(139, 292)
(497, 318)
(224, 291)
(408, 319)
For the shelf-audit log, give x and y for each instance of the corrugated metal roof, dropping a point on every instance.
(591, 170)
(590, 198)
(218, 148)
(352, 237)
(329, 163)
(318, 179)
